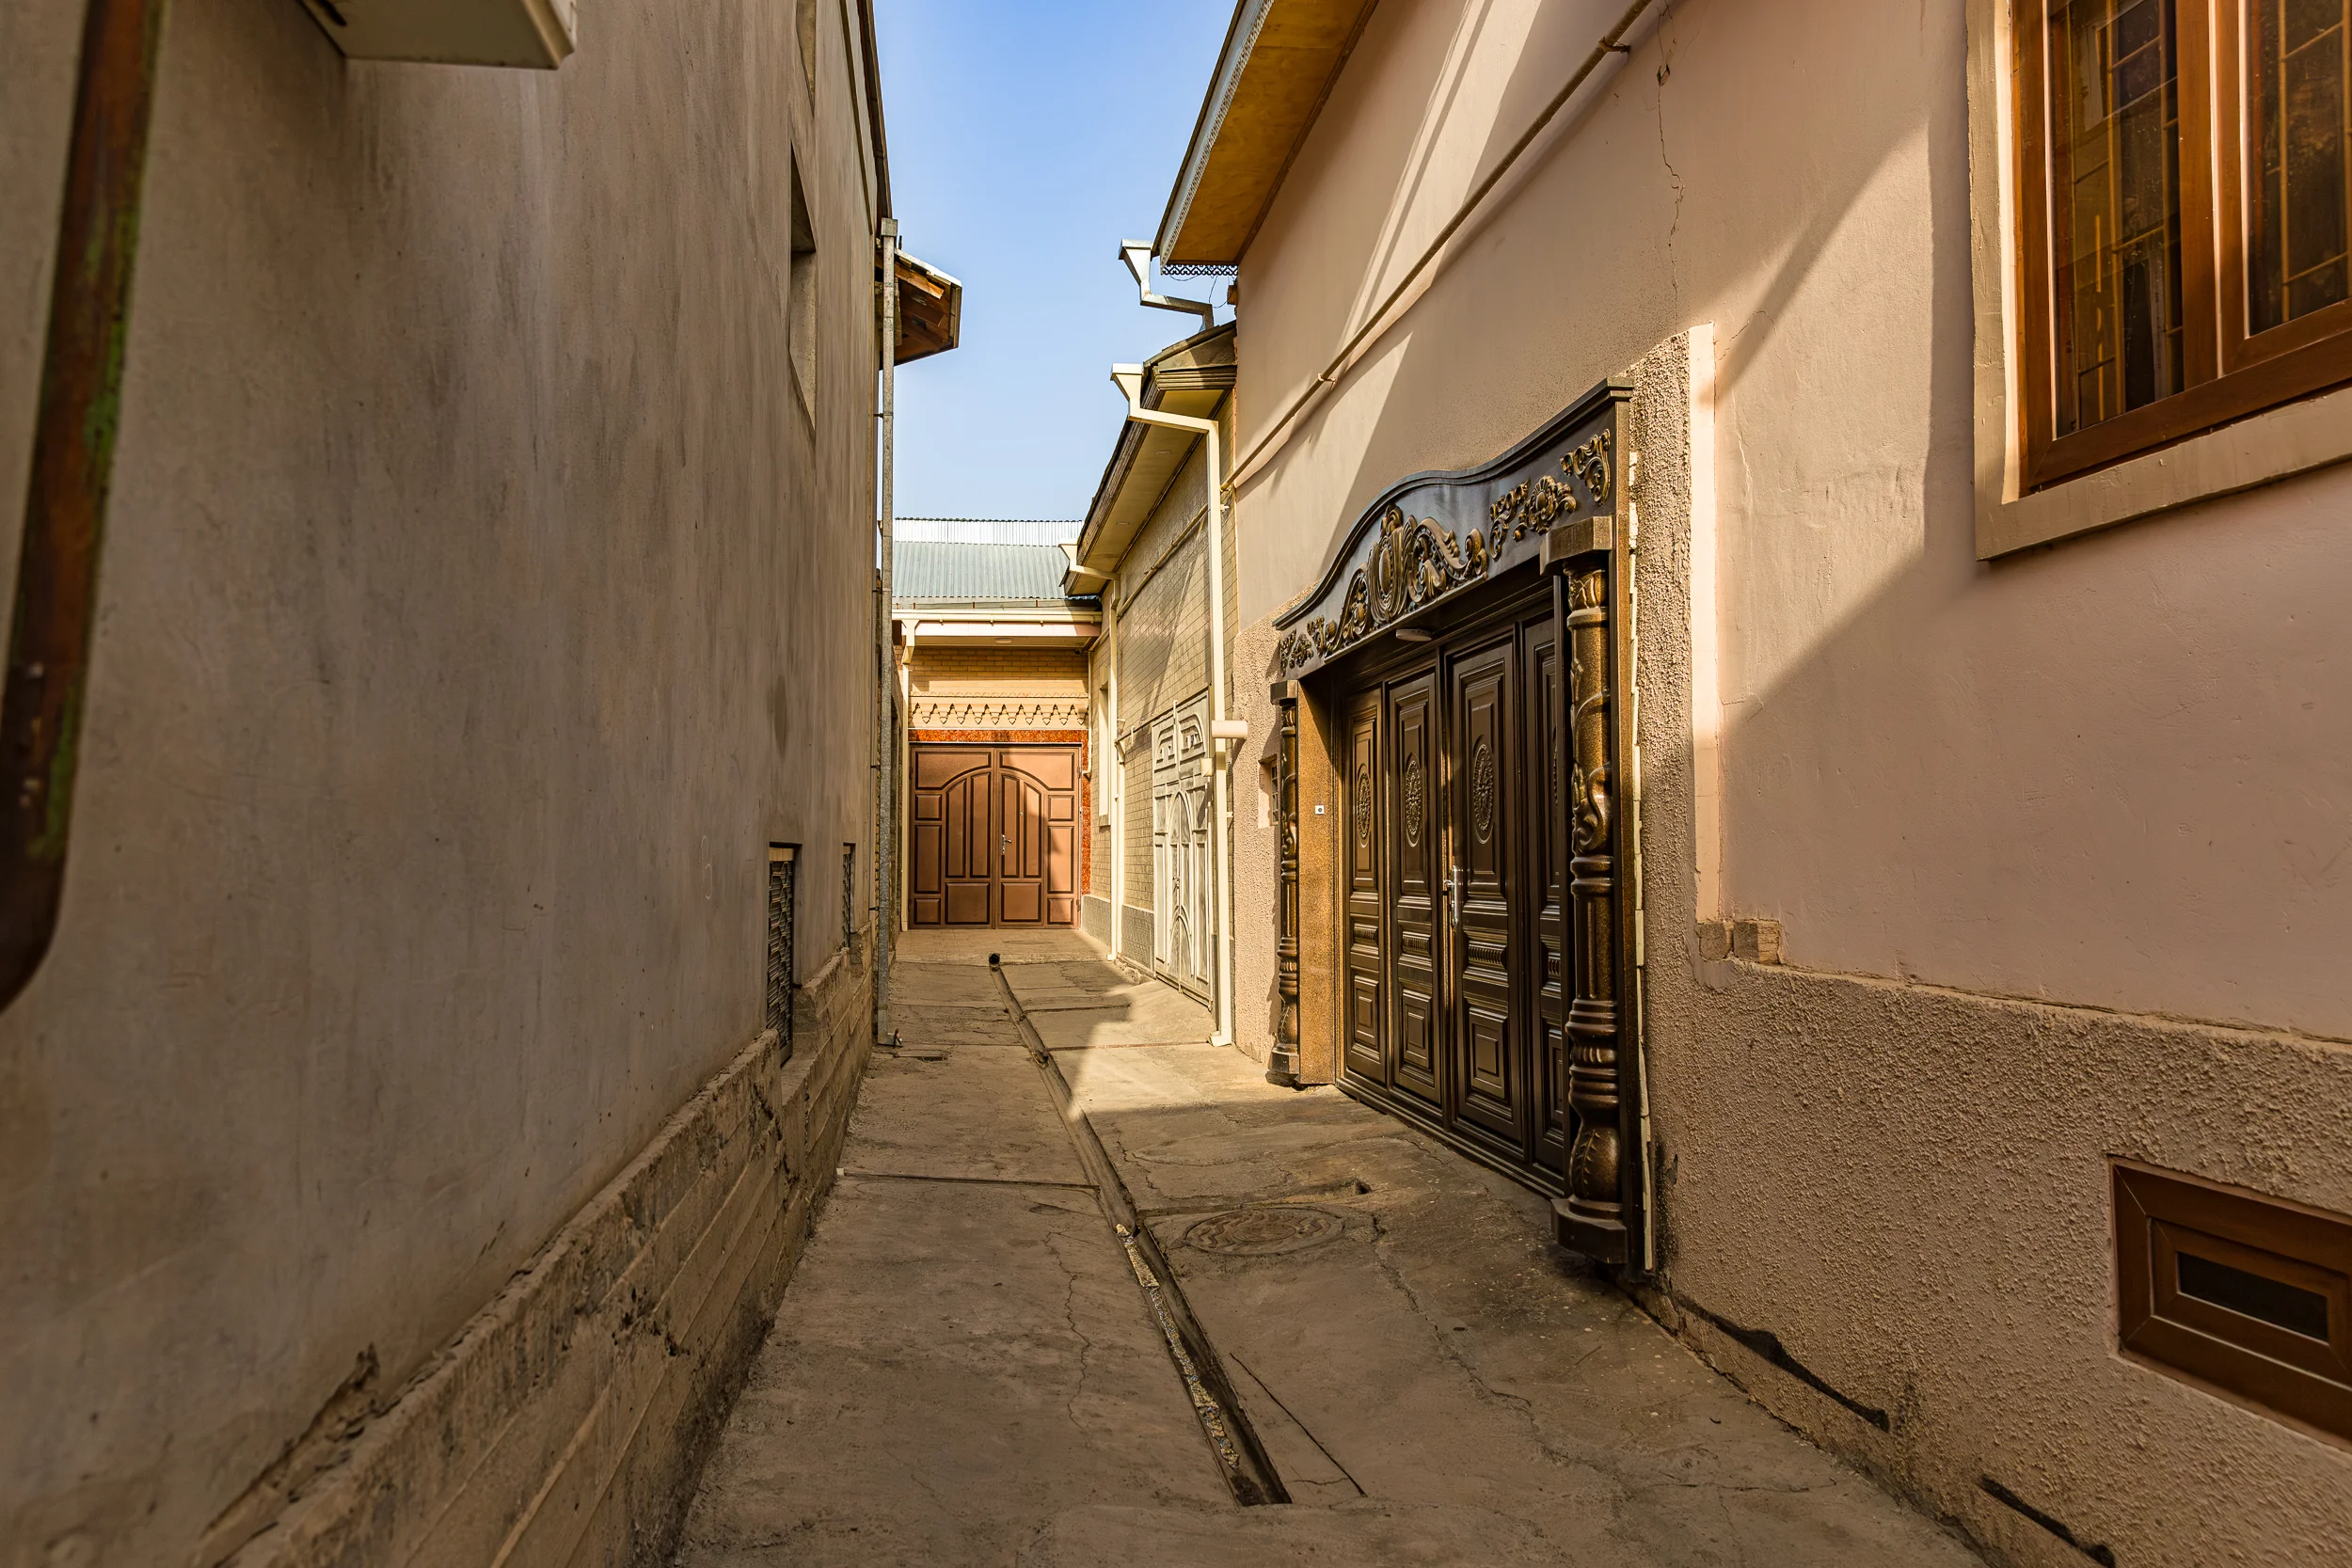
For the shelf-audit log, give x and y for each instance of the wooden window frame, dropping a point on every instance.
(2228, 374)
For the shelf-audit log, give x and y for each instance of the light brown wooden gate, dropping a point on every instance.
(994, 835)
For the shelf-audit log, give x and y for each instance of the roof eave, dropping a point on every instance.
(1088, 561)
(1280, 61)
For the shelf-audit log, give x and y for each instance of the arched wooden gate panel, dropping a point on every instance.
(992, 839)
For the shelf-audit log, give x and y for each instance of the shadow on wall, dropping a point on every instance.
(2037, 778)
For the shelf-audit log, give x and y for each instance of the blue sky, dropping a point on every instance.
(1028, 138)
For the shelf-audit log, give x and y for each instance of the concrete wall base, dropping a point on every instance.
(1094, 917)
(566, 1422)
(1136, 931)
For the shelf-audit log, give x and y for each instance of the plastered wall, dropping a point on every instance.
(2105, 773)
(481, 599)
(2051, 839)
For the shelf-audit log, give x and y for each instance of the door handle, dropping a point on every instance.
(1454, 894)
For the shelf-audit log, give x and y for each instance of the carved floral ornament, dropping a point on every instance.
(1483, 792)
(1414, 562)
(1535, 504)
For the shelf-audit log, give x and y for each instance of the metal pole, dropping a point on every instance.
(72, 469)
(885, 663)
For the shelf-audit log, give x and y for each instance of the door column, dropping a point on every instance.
(1282, 1063)
(1602, 1210)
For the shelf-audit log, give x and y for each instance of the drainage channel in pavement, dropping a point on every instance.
(1239, 1456)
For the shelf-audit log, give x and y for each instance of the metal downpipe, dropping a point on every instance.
(72, 472)
(886, 656)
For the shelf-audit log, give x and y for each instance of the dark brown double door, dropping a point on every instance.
(1456, 885)
(993, 839)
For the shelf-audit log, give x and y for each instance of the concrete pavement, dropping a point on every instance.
(965, 1370)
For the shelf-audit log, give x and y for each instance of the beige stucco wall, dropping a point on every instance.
(478, 602)
(2107, 773)
(2054, 841)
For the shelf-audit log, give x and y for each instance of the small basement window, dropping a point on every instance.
(2245, 1294)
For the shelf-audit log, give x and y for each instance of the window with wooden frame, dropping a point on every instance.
(2184, 219)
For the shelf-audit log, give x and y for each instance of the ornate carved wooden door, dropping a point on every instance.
(993, 839)
(1472, 634)
(1456, 889)
(1487, 1078)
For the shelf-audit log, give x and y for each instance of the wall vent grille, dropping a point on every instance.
(781, 867)
(848, 894)
(2246, 1295)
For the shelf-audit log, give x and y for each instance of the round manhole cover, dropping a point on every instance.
(1264, 1232)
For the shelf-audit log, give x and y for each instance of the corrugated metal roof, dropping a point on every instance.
(988, 530)
(931, 569)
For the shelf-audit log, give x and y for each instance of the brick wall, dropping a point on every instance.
(998, 672)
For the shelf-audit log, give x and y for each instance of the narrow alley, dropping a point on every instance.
(969, 1370)
(856, 783)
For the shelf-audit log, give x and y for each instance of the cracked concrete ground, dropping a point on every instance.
(964, 1370)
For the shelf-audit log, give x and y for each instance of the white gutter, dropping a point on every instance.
(1129, 379)
(885, 656)
(904, 676)
(1222, 731)
(1115, 780)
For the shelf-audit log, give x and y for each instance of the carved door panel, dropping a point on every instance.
(1487, 1082)
(1415, 894)
(951, 849)
(1201, 911)
(1020, 850)
(1546, 855)
(1190, 822)
(1183, 881)
(1036, 804)
(1165, 842)
(1365, 910)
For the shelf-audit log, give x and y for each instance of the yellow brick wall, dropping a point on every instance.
(998, 672)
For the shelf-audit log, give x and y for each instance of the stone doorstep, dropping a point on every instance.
(559, 1412)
